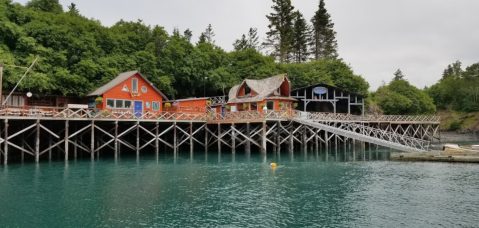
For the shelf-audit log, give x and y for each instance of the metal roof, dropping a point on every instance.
(119, 79)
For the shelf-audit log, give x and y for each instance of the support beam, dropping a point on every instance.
(37, 143)
(157, 145)
(263, 141)
(5, 149)
(66, 140)
(92, 145)
(247, 143)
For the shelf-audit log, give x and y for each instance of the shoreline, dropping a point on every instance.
(454, 136)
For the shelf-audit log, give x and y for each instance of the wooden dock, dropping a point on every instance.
(70, 132)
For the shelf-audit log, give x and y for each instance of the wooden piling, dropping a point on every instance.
(37, 143)
(191, 138)
(206, 138)
(233, 140)
(137, 138)
(219, 137)
(157, 145)
(92, 145)
(66, 140)
(248, 143)
(263, 141)
(5, 149)
(116, 138)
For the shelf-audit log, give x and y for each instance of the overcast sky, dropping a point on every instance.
(376, 37)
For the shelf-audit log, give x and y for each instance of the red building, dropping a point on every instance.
(189, 105)
(129, 91)
(255, 95)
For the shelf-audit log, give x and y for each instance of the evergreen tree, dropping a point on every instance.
(253, 38)
(452, 69)
(201, 39)
(398, 75)
(188, 34)
(241, 44)
(301, 39)
(209, 35)
(72, 9)
(279, 38)
(324, 37)
(51, 6)
(248, 43)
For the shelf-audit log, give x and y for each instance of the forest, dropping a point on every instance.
(79, 54)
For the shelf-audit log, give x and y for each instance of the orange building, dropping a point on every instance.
(129, 91)
(253, 95)
(190, 105)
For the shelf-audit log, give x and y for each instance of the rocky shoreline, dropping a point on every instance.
(458, 136)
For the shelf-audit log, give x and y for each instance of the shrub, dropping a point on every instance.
(245, 106)
(99, 100)
(105, 113)
(454, 125)
(295, 105)
(280, 104)
(228, 107)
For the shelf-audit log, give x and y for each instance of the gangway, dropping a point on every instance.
(370, 135)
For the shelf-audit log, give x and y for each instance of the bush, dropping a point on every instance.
(454, 125)
(99, 100)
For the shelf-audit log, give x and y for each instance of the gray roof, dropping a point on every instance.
(264, 88)
(119, 79)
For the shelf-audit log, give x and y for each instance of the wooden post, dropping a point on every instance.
(66, 140)
(316, 141)
(23, 144)
(157, 145)
(5, 149)
(233, 140)
(206, 138)
(191, 139)
(116, 138)
(291, 139)
(174, 139)
(37, 143)
(92, 145)
(303, 140)
(219, 137)
(137, 138)
(75, 149)
(278, 138)
(248, 143)
(264, 138)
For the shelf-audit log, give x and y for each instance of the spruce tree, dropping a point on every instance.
(279, 38)
(241, 44)
(209, 35)
(398, 75)
(188, 34)
(201, 39)
(324, 37)
(51, 6)
(248, 43)
(301, 39)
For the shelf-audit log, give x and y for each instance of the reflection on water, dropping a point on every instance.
(340, 188)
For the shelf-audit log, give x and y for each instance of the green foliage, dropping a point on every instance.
(295, 105)
(398, 75)
(301, 39)
(99, 100)
(79, 55)
(279, 38)
(454, 125)
(401, 98)
(458, 89)
(324, 44)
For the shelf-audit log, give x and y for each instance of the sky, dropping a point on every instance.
(375, 37)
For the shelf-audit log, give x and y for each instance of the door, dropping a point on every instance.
(138, 108)
(223, 113)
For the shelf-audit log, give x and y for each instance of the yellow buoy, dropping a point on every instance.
(273, 164)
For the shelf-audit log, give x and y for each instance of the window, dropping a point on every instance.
(270, 105)
(134, 85)
(143, 89)
(247, 90)
(254, 106)
(127, 104)
(115, 103)
(110, 103)
(155, 106)
(119, 104)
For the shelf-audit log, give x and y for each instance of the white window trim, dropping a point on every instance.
(123, 103)
(159, 106)
(133, 88)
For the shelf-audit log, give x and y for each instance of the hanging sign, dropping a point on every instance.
(320, 90)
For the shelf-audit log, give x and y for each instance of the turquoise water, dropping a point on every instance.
(306, 190)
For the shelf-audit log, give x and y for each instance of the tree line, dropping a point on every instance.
(79, 54)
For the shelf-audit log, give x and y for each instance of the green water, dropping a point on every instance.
(306, 190)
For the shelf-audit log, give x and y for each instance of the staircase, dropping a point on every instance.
(371, 135)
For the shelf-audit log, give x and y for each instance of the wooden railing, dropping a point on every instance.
(61, 112)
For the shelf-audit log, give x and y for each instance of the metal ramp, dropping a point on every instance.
(371, 135)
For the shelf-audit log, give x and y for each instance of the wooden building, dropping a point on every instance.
(129, 91)
(253, 95)
(326, 98)
(189, 105)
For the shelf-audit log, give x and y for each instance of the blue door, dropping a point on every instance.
(138, 108)
(223, 112)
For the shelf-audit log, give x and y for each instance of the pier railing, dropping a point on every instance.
(61, 112)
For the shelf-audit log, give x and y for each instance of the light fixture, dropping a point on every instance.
(29, 94)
